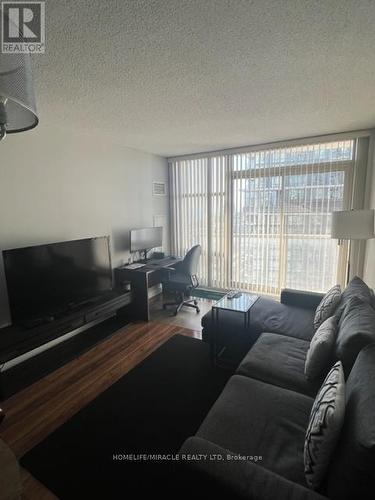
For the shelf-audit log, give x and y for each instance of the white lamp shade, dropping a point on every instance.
(17, 92)
(353, 225)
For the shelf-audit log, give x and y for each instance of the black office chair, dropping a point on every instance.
(182, 279)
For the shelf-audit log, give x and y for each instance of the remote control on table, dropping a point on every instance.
(234, 295)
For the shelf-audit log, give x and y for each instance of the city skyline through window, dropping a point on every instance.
(264, 218)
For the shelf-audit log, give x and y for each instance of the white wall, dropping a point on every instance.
(59, 185)
(369, 268)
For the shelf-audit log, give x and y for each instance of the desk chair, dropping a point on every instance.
(182, 279)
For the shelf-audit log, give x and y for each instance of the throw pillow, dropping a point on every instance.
(323, 431)
(356, 330)
(327, 306)
(320, 353)
(372, 298)
(355, 288)
(351, 474)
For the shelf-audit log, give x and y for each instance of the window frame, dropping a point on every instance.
(354, 192)
(346, 166)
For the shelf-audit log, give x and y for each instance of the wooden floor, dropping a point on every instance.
(186, 318)
(39, 409)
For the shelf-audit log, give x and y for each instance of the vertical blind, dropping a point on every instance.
(263, 217)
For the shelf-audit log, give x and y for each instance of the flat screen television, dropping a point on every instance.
(146, 239)
(48, 279)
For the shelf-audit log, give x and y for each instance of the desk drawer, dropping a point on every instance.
(156, 277)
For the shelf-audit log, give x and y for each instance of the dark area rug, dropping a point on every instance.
(151, 410)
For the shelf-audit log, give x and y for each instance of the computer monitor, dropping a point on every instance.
(145, 239)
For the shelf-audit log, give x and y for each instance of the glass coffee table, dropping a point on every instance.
(240, 305)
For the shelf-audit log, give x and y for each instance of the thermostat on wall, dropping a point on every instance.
(159, 188)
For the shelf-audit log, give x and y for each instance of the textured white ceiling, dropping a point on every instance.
(182, 76)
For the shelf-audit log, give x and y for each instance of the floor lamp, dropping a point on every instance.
(352, 225)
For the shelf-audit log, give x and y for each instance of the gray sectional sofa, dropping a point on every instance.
(292, 316)
(254, 434)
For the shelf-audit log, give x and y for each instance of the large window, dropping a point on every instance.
(263, 217)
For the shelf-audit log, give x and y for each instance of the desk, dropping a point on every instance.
(141, 280)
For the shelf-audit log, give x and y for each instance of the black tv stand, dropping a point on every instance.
(49, 316)
(27, 354)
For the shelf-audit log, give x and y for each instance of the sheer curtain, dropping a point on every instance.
(263, 217)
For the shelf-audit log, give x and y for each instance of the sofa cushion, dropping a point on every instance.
(280, 360)
(266, 315)
(327, 306)
(356, 330)
(254, 418)
(229, 478)
(301, 298)
(352, 473)
(326, 420)
(320, 353)
(355, 288)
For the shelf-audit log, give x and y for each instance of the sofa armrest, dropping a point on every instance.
(300, 298)
(239, 478)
